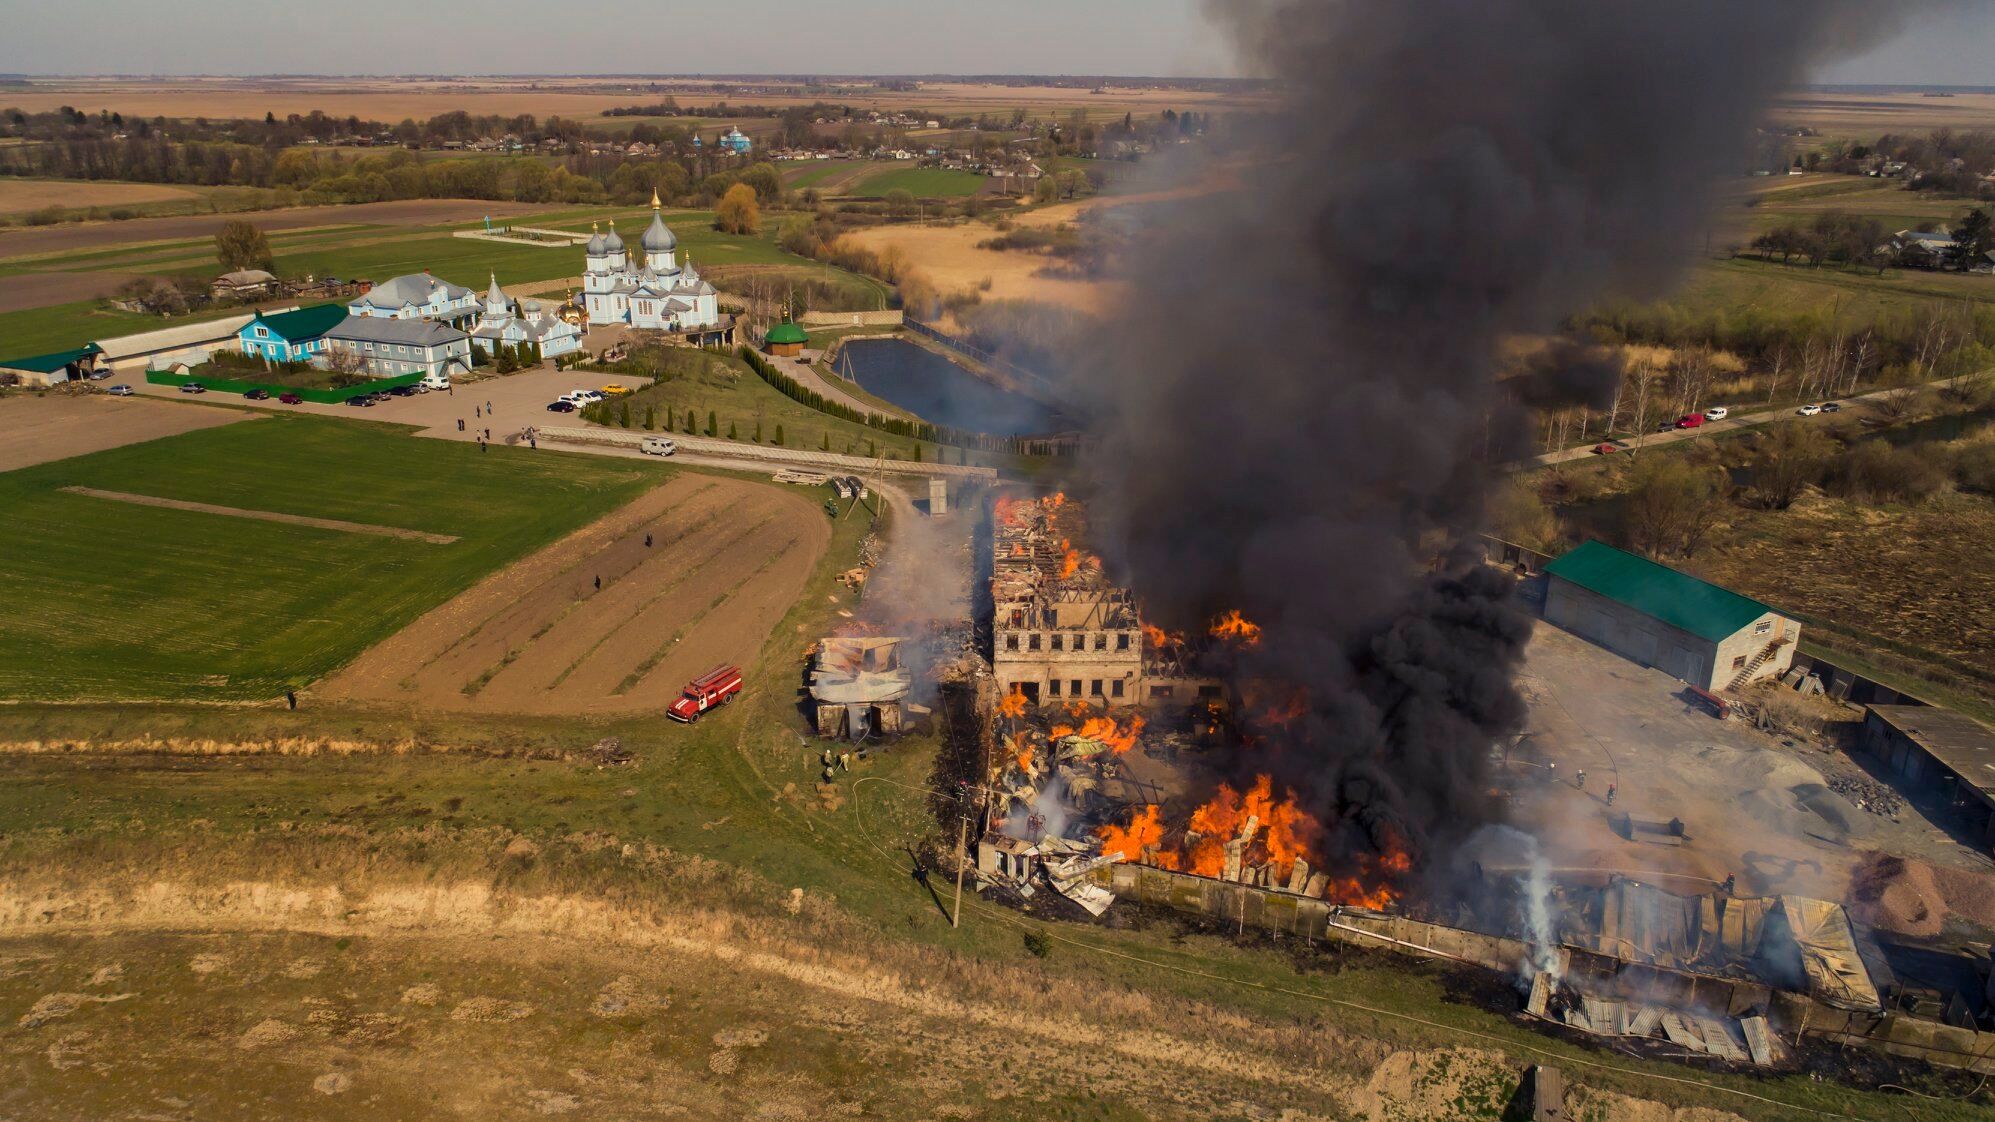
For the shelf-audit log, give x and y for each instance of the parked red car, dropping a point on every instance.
(1606, 449)
(1690, 421)
(289, 398)
(710, 690)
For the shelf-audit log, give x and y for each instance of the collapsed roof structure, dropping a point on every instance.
(860, 687)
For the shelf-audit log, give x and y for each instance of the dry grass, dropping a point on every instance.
(1918, 576)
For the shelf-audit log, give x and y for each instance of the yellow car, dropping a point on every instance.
(615, 390)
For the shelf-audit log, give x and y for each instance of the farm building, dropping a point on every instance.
(50, 369)
(295, 336)
(191, 343)
(1710, 637)
(1937, 752)
(243, 284)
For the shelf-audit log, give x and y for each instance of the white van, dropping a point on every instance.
(1717, 413)
(656, 446)
(435, 380)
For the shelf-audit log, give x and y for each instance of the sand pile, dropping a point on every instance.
(1896, 894)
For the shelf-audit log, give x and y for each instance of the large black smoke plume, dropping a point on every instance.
(1299, 398)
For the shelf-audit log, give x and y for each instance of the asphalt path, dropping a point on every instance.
(1734, 423)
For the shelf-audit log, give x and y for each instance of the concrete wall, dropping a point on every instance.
(830, 462)
(1630, 634)
(892, 317)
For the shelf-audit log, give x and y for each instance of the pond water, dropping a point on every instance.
(943, 393)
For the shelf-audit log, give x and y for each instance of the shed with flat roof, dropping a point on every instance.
(1939, 754)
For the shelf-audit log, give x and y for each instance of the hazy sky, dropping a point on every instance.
(1163, 37)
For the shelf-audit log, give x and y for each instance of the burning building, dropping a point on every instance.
(1062, 633)
(860, 687)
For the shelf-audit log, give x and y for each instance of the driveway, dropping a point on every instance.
(503, 405)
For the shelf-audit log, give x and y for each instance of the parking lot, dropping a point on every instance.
(502, 405)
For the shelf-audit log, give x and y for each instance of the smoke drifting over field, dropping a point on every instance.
(1299, 401)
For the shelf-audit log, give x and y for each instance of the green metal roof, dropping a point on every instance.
(50, 363)
(1677, 599)
(305, 323)
(787, 332)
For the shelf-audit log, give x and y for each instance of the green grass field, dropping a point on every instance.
(926, 183)
(811, 174)
(145, 602)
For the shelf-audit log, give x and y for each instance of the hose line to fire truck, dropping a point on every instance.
(1004, 915)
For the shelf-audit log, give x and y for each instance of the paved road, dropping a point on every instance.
(1713, 428)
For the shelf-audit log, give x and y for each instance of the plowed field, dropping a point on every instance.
(726, 560)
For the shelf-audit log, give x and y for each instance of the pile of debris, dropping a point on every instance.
(1868, 794)
(610, 752)
(1748, 1039)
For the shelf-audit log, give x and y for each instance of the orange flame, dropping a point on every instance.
(1237, 628)
(1022, 751)
(1145, 831)
(1013, 704)
(1284, 834)
(1119, 738)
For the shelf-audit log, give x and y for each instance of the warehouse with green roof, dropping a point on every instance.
(1710, 637)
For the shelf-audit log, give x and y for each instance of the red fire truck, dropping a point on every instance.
(710, 690)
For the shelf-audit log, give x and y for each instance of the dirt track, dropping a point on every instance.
(266, 516)
(408, 212)
(58, 426)
(727, 560)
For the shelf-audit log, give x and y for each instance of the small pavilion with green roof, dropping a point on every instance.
(1708, 636)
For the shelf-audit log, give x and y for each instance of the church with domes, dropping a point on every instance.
(649, 289)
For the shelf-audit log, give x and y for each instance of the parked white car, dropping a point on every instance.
(1717, 413)
(656, 446)
(583, 397)
(1809, 410)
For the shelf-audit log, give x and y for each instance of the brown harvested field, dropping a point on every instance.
(728, 558)
(40, 428)
(18, 195)
(576, 97)
(39, 290)
(1867, 116)
(29, 242)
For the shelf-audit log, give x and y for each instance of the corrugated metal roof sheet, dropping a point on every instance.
(1678, 599)
(49, 363)
(305, 323)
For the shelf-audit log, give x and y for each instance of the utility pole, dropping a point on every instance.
(962, 851)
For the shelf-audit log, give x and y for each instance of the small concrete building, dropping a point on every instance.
(1938, 753)
(1710, 637)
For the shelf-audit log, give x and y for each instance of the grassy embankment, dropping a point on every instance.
(724, 797)
(133, 601)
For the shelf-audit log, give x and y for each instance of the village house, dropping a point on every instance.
(418, 296)
(243, 284)
(388, 348)
(294, 336)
